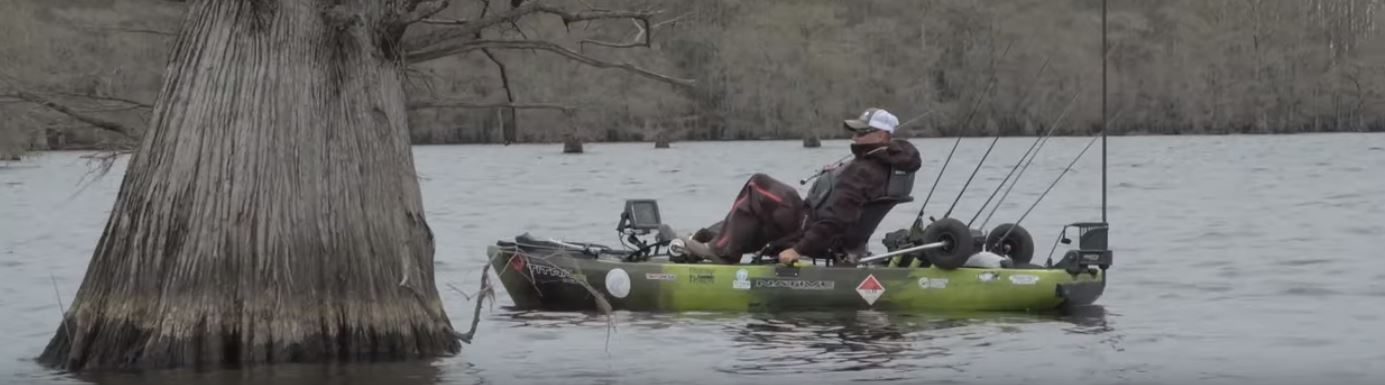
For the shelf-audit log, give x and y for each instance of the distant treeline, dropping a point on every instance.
(788, 69)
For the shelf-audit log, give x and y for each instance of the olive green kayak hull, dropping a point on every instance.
(561, 281)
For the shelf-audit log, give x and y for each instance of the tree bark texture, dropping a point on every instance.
(271, 212)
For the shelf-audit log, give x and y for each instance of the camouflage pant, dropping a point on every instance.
(766, 212)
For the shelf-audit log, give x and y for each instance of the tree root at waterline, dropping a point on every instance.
(193, 334)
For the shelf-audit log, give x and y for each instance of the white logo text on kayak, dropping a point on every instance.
(742, 281)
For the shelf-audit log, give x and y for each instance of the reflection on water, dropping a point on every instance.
(395, 373)
(819, 342)
(865, 340)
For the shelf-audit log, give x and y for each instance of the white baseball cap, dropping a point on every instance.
(873, 119)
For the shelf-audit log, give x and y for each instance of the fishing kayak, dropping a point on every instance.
(925, 268)
(562, 278)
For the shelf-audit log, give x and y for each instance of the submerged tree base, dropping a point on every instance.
(572, 146)
(99, 341)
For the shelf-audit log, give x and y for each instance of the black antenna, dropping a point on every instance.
(1103, 111)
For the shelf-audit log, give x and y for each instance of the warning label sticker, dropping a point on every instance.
(870, 289)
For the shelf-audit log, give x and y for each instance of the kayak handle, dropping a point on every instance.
(926, 246)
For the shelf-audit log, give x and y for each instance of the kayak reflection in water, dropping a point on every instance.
(768, 216)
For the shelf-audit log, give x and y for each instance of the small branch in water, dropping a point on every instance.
(459, 291)
(476, 311)
(62, 309)
(602, 304)
(104, 161)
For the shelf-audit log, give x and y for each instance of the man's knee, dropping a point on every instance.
(765, 180)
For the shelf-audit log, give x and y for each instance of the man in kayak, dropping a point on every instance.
(770, 213)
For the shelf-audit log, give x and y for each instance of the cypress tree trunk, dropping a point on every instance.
(271, 212)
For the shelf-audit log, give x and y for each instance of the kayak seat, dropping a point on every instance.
(855, 241)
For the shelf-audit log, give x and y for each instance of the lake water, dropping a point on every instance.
(1239, 259)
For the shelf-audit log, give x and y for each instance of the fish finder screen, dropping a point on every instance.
(644, 214)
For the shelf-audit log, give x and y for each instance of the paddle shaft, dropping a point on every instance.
(928, 246)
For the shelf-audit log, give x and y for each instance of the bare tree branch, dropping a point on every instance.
(135, 103)
(443, 21)
(466, 104)
(145, 31)
(482, 293)
(109, 109)
(439, 52)
(95, 122)
(641, 38)
(442, 36)
(417, 10)
(518, 29)
(673, 20)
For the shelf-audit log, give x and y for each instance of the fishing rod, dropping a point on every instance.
(1023, 99)
(1104, 123)
(824, 170)
(1050, 187)
(918, 219)
(1026, 168)
(926, 246)
(1052, 126)
(920, 116)
(963, 190)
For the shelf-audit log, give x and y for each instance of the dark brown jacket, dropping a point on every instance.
(863, 179)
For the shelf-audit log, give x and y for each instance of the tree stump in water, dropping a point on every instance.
(661, 142)
(273, 213)
(811, 142)
(572, 146)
